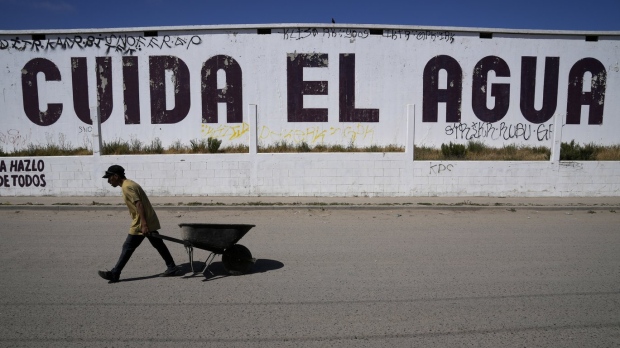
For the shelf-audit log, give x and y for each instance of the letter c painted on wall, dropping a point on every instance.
(31, 91)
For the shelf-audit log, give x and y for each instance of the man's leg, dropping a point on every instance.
(131, 244)
(163, 251)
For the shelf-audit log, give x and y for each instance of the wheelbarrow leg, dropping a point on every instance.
(190, 253)
(208, 263)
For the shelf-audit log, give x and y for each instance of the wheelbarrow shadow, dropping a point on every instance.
(217, 271)
(140, 278)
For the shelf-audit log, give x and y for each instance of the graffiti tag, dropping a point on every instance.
(304, 33)
(124, 44)
(348, 33)
(400, 34)
(318, 134)
(482, 130)
(229, 131)
(14, 137)
(439, 168)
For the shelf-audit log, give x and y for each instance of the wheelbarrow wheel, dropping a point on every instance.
(237, 260)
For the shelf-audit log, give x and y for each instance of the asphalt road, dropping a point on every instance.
(391, 277)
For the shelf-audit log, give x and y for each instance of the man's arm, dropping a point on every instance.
(143, 226)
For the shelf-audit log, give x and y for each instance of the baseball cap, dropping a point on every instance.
(114, 169)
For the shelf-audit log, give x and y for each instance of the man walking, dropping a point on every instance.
(144, 222)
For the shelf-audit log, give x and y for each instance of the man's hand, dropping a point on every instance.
(145, 230)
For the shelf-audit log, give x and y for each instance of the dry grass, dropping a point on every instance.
(472, 151)
(511, 153)
(285, 147)
(135, 147)
(424, 153)
(477, 151)
(48, 150)
(610, 153)
(589, 152)
(236, 149)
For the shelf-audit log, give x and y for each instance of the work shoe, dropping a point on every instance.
(170, 272)
(107, 275)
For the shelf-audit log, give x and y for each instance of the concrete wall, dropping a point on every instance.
(310, 174)
(322, 84)
(342, 175)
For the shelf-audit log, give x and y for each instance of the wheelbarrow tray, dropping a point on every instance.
(213, 237)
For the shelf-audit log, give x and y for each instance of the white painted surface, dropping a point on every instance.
(388, 77)
(309, 174)
(327, 175)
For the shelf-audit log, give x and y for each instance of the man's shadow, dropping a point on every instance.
(216, 269)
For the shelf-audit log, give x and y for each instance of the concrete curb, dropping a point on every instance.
(344, 206)
(210, 203)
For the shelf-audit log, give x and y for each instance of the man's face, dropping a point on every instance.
(114, 180)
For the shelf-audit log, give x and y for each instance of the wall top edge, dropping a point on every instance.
(308, 25)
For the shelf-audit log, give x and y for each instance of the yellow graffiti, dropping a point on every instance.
(318, 134)
(225, 130)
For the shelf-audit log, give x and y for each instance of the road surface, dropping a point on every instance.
(325, 277)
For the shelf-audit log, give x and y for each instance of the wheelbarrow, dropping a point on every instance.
(219, 239)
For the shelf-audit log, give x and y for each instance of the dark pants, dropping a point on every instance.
(132, 243)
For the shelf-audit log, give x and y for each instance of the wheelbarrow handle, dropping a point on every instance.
(171, 239)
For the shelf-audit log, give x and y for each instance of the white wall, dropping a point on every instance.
(50, 79)
(327, 175)
(388, 74)
(309, 174)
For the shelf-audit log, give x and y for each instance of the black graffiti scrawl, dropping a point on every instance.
(119, 44)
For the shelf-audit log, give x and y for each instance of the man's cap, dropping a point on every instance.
(115, 169)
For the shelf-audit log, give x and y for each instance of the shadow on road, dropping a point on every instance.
(217, 271)
(140, 278)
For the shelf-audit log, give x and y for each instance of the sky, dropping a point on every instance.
(591, 15)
